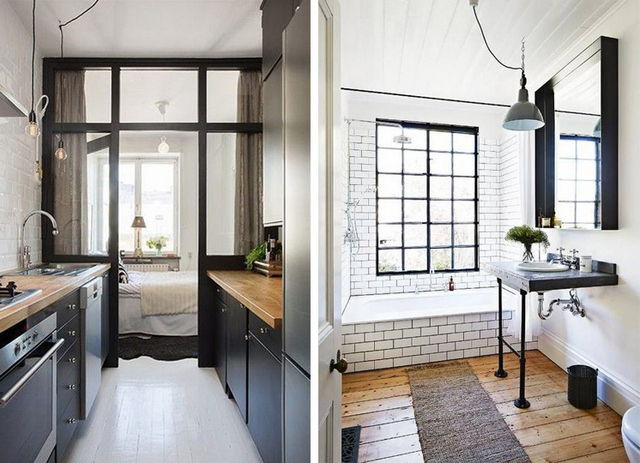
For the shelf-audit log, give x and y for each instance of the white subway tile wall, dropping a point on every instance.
(20, 192)
(374, 346)
(362, 168)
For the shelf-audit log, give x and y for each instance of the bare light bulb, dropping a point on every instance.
(61, 153)
(32, 128)
(163, 147)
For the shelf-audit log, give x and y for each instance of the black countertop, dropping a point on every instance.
(547, 281)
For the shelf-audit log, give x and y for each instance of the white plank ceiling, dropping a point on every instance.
(148, 28)
(434, 47)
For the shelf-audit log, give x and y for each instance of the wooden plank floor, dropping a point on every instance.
(551, 430)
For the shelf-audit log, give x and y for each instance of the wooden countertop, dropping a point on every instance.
(259, 294)
(53, 289)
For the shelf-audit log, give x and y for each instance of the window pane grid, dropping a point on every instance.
(458, 233)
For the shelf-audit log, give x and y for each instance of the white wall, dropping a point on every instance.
(609, 338)
(20, 192)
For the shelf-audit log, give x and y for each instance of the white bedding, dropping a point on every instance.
(169, 293)
(175, 314)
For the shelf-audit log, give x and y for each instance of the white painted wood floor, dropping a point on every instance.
(161, 412)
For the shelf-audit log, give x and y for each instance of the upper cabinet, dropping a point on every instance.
(276, 14)
(577, 149)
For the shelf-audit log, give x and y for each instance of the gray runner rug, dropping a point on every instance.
(457, 420)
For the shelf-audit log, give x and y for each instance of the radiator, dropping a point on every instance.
(147, 267)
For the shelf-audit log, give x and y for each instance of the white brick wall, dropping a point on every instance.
(19, 190)
(373, 346)
(362, 167)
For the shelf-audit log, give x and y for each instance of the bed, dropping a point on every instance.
(159, 304)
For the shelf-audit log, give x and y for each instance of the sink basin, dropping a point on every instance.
(53, 270)
(542, 267)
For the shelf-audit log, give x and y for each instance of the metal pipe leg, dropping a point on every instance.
(521, 402)
(500, 373)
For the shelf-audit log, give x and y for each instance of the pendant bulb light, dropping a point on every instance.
(32, 128)
(61, 153)
(163, 147)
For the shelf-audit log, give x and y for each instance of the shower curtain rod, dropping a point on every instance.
(448, 100)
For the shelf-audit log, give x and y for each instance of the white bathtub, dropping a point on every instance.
(393, 307)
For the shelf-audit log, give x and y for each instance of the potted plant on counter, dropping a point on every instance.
(527, 236)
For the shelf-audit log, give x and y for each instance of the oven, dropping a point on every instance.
(28, 390)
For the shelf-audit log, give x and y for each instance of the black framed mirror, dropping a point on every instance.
(576, 166)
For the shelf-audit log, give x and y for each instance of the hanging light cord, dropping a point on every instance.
(33, 53)
(61, 25)
(521, 68)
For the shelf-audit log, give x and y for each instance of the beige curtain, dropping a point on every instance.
(248, 211)
(69, 176)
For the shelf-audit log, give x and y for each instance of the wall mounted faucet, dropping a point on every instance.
(26, 250)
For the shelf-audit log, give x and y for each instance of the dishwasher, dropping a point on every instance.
(91, 344)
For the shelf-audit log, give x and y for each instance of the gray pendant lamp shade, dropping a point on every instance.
(523, 115)
(138, 222)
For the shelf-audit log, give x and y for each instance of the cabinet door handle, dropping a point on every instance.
(72, 332)
(71, 420)
(224, 310)
(71, 387)
(72, 360)
(263, 330)
(71, 307)
(247, 337)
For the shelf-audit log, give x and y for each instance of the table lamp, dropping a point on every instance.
(138, 223)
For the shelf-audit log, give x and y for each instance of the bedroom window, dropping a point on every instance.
(427, 198)
(148, 187)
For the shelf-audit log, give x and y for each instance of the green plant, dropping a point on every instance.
(157, 242)
(257, 253)
(527, 236)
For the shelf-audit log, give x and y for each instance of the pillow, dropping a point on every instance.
(123, 275)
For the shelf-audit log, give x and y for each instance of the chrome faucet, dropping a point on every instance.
(26, 250)
(572, 261)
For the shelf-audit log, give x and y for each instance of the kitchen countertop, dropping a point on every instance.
(548, 281)
(53, 289)
(259, 294)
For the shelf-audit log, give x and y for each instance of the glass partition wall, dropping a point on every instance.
(93, 186)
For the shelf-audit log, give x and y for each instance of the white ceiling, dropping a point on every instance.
(148, 28)
(434, 47)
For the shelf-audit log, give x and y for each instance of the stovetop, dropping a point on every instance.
(10, 294)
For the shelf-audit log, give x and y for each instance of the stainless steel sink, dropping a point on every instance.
(53, 270)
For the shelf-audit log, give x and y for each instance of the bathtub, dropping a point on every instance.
(393, 307)
(386, 331)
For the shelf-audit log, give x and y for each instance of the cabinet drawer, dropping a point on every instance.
(68, 384)
(67, 308)
(71, 333)
(67, 424)
(271, 338)
(220, 293)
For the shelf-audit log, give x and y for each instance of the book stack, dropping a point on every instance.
(269, 268)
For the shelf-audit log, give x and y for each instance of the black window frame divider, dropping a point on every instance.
(429, 247)
(114, 128)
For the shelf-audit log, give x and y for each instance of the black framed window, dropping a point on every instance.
(427, 197)
(579, 181)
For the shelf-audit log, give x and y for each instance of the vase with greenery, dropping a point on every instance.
(527, 236)
(157, 243)
(257, 253)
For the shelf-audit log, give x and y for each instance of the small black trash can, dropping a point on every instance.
(583, 386)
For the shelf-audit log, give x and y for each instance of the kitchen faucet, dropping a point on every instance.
(26, 250)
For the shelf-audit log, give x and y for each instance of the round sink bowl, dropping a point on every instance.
(542, 267)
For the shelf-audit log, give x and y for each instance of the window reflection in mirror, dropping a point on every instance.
(578, 150)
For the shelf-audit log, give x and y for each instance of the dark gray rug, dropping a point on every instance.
(159, 347)
(457, 420)
(350, 444)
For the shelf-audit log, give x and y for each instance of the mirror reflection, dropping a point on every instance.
(578, 150)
